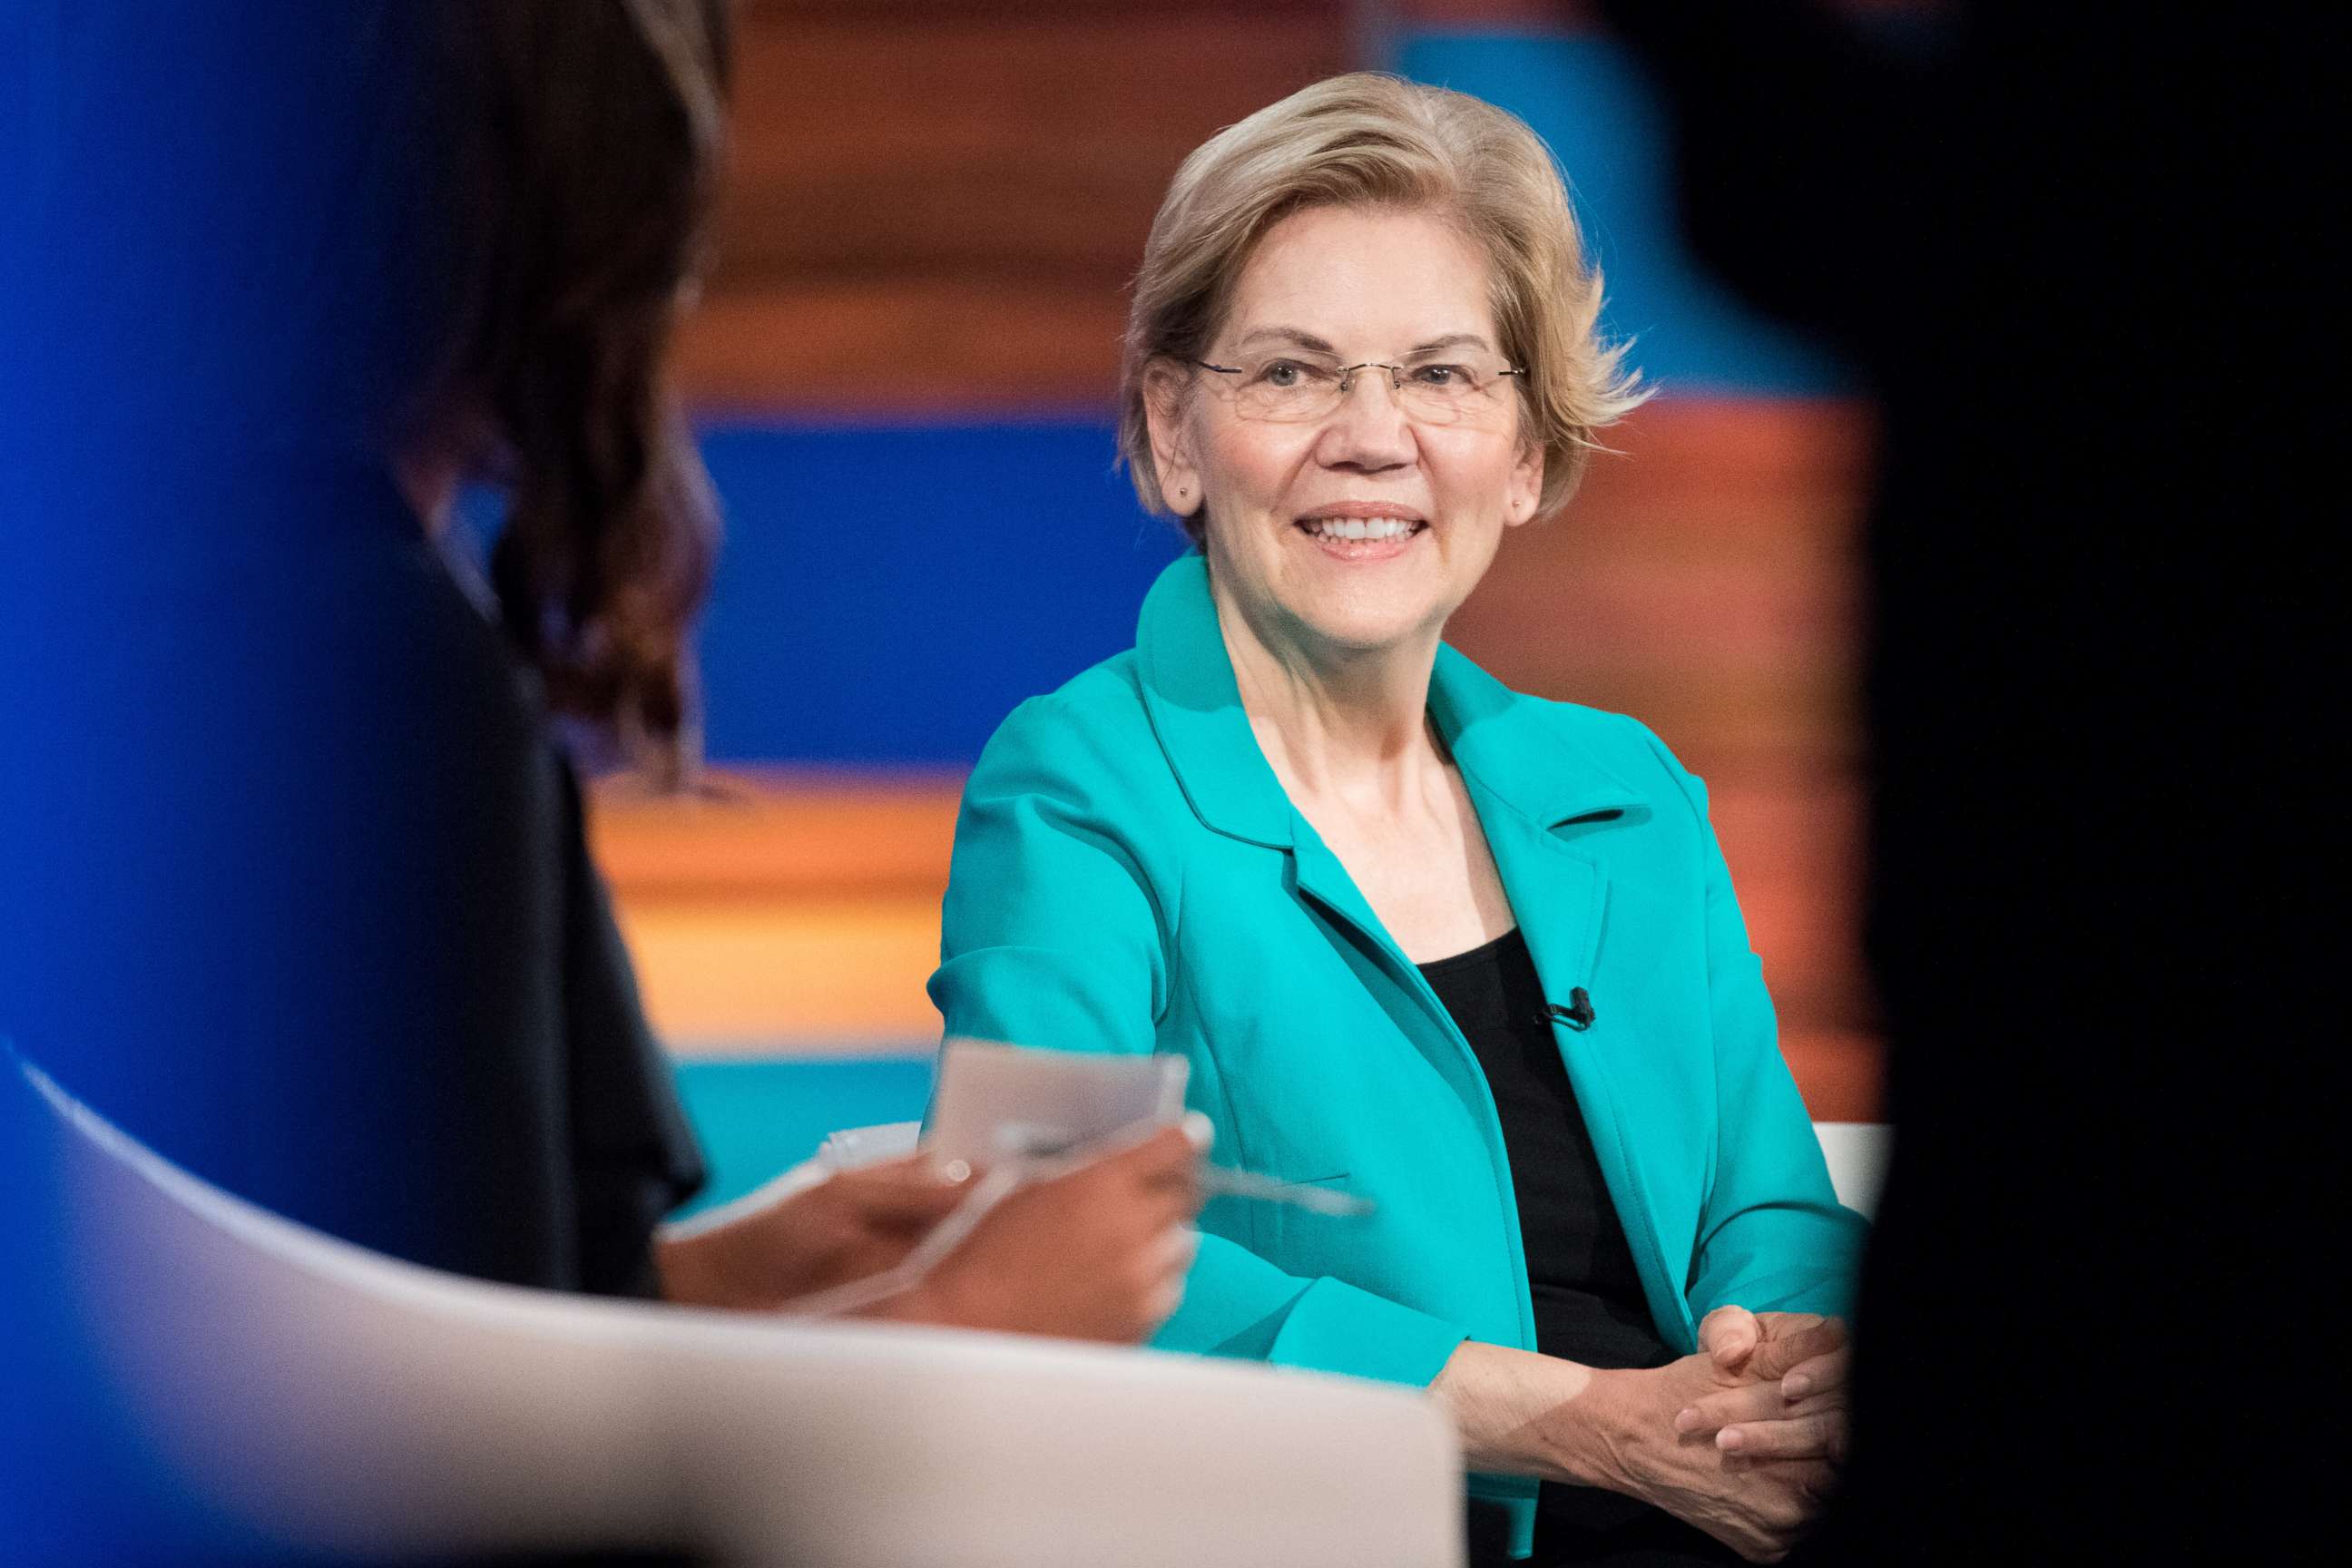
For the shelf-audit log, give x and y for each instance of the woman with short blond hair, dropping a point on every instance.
(1467, 954)
(1373, 141)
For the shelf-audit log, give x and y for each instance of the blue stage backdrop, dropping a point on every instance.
(758, 1117)
(887, 594)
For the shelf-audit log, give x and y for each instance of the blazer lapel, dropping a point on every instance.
(1528, 787)
(1527, 784)
(1405, 994)
(1559, 895)
(1195, 708)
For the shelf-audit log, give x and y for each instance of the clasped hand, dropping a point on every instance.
(1793, 1403)
(1741, 1440)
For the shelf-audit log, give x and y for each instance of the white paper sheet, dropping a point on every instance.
(993, 1100)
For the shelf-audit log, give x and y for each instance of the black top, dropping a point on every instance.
(318, 921)
(1588, 1300)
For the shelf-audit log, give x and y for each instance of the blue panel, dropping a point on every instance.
(887, 594)
(1585, 96)
(757, 1118)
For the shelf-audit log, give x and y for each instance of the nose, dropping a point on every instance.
(1369, 432)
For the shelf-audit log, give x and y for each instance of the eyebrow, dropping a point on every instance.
(1307, 341)
(1314, 345)
(1450, 340)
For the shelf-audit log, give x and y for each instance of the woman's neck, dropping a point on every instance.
(1336, 724)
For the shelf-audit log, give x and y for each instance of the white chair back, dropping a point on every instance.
(1857, 1153)
(338, 1400)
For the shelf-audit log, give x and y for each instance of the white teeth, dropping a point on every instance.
(1362, 527)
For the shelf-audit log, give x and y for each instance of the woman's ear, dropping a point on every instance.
(1524, 493)
(1165, 404)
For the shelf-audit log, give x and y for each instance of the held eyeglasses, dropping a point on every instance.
(1292, 388)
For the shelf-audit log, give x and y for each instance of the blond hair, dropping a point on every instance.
(1373, 140)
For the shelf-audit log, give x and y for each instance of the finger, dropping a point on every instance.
(897, 1197)
(1749, 1402)
(1161, 1305)
(900, 1165)
(1164, 1153)
(1728, 1334)
(1746, 1406)
(1806, 1438)
(1159, 1282)
(1810, 1327)
(1141, 1153)
(1142, 1189)
(913, 1188)
(1166, 1165)
(1176, 1249)
(1821, 1375)
(1777, 1357)
(1200, 1130)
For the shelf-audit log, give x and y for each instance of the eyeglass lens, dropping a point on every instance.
(1289, 388)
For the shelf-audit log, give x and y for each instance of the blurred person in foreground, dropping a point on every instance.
(2075, 255)
(1470, 954)
(316, 917)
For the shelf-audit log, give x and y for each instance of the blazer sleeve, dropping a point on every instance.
(1773, 1236)
(1055, 935)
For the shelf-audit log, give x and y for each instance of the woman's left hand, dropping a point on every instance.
(1796, 1408)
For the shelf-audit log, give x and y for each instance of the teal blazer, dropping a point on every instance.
(1129, 876)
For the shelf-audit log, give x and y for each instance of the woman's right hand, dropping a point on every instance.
(1096, 1253)
(1624, 1426)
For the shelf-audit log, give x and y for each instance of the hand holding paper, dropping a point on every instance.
(998, 1102)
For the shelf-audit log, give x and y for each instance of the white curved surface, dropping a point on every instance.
(340, 1400)
(1857, 1153)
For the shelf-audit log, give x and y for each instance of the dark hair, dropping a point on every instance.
(584, 143)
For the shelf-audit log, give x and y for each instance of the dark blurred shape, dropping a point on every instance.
(2076, 255)
(580, 147)
(185, 362)
(307, 908)
(293, 880)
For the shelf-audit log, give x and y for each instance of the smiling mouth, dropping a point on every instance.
(1360, 530)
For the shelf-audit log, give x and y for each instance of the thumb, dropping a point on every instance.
(1164, 1155)
(897, 1194)
(1729, 1335)
(1796, 1345)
